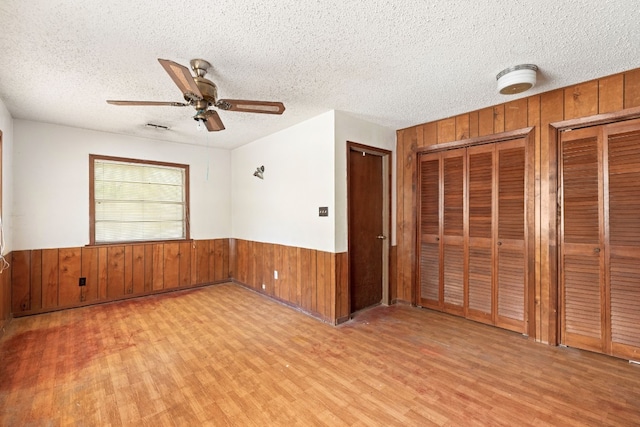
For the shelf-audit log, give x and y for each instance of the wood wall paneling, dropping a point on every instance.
(89, 270)
(606, 95)
(474, 124)
(611, 94)
(70, 265)
(115, 271)
(158, 267)
(581, 100)
(462, 127)
(103, 273)
(516, 114)
(21, 281)
(315, 281)
(269, 266)
(202, 255)
(551, 110)
(498, 118)
(632, 88)
(342, 286)
(138, 279)
(148, 268)
(50, 278)
(185, 265)
(171, 268)
(446, 130)
(485, 122)
(400, 247)
(533, 120)
(5, 294)
(128, 269)
(407, 274)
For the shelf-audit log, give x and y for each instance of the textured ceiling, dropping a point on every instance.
(395, 63)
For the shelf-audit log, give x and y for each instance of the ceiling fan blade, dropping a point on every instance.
(264, 107)
(182, 77)
(170, 104)
(212, 122)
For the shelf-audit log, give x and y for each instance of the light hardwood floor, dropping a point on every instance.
(223, 355)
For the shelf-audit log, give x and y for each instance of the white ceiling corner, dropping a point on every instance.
(394, 63)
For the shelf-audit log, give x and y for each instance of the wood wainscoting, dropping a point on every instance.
(5, 296)
(48, 279)
(311, 280)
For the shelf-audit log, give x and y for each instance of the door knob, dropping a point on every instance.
(596, 250)
(381, 237)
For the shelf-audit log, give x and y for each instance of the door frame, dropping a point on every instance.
(556, 303)
(386, 217)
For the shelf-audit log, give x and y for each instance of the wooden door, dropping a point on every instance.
(510, 236)
(472, 230)
(429, 231)
(481, 248)
(365, 229)
(452, 255)
(622, 237)
(600, 239)
(582, 235)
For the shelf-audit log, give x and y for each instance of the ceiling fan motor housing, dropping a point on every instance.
(208, 90)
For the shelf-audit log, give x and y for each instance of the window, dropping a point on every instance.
(135, 200)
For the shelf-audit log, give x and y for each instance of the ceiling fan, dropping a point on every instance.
(202, 93)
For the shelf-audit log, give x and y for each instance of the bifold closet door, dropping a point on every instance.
(582, 266)
(600, 239)
(480, 164)
(511, 256)
(452, 258)
(622, 237)
(429, 231)
(622, 189)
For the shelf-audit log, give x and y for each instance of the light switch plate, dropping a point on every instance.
(323, 211)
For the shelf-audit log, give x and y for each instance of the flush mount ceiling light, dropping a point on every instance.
(516, 79)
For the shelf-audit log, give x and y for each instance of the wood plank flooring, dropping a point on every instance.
(223, 355)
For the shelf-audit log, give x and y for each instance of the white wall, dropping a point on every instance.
(6, 126)
(349, 128)
(51, 176)
(298, 179)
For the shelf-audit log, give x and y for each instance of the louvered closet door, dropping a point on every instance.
(510, 260)
(480, 164)
(429, 231)
(581, 234)
(622, 185)
(453, 177)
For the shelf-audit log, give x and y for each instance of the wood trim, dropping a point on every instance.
(488, 139)
(597, 119)
(92, 213)
(136, 242)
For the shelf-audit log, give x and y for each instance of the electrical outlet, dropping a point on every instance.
(82, 281)
(275, 274)
(264, 286)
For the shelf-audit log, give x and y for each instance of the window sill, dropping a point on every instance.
(137, 242)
